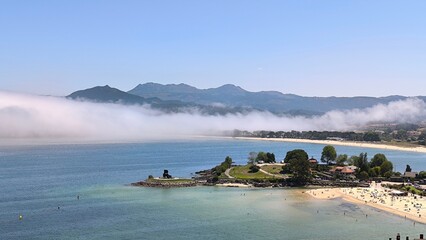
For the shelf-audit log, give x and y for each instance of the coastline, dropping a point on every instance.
(401, 206)
(339, 143)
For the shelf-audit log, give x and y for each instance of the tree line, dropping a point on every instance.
(312, 135)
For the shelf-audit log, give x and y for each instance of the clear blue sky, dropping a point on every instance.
(311, 48)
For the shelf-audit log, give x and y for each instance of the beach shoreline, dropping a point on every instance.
(338, 143)
(400, 206)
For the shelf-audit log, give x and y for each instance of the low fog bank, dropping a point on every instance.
(28, 116)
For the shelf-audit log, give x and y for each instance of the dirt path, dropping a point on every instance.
(270, 174)
(227, 173)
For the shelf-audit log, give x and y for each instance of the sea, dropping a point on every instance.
(82, 191)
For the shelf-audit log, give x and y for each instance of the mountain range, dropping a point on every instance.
(226, 99)
(107, 94)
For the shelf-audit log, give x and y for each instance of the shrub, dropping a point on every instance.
(286, 169)
(388, 174)
(254, 169)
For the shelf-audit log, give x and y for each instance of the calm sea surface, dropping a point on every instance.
(36, 180)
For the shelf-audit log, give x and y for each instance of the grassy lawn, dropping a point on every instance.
(243, 172)
(223, 176)
(412, 189)
(272, 169)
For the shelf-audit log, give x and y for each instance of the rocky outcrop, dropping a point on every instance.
(164, 184)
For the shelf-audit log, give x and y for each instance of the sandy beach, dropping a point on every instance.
(411, 207)
(341, 143)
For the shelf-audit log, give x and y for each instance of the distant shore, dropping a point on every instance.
(377, 197)
(340, 143)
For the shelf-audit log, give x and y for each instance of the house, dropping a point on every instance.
(396, 179)
(347, 171)
(354, 168)
(336, 169)
(313, 161)
(410, 175)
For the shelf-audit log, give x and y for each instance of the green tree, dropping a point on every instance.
(298, 164)
(386, 166)
(223, 166)
(300, 169)
(328, 154)
(352, 160)
(265, 157)
(422, 174)
(362, 162)
(261, 156)
(341, 160)
(363, 175)
(270, 157)
(371, 137)
(228, 162)
(296, 154)
(374, 172)
(286, 169)
(378, 160)
(387, 174)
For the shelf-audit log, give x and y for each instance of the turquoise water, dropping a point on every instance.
(36, 180)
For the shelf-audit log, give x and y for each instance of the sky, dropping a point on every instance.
(309, 48)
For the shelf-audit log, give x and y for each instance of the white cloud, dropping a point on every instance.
(29, 116)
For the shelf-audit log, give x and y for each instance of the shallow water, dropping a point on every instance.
(36, 180)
